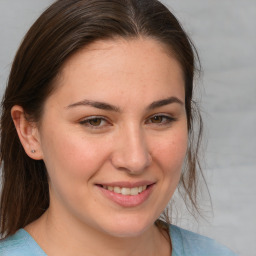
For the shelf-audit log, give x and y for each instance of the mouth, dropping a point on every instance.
(126, 194)
(126, 191)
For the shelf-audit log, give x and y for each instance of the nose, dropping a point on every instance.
(131, 153)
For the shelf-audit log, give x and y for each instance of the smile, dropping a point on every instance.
(126, 194)
(126, 191)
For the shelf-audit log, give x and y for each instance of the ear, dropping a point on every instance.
(28, 133)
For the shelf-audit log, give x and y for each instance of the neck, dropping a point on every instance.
(52, 233)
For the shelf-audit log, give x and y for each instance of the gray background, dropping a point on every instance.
(224, 32)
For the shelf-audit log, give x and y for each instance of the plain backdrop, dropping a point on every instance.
(224, 32)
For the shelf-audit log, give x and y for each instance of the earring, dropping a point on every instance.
(33, 151)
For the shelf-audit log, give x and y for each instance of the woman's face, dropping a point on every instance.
(113, 136)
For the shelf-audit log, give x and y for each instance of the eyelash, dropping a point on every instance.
(86, 122)
(168, 119)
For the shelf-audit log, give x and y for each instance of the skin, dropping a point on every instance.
(132, 142)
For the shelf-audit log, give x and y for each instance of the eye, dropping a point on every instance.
(160, 120)
(94, 122)
(156, 119)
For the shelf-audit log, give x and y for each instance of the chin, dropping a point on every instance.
(129, 227)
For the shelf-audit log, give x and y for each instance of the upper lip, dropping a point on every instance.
(127, 184)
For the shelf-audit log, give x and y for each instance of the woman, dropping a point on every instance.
(100, 94)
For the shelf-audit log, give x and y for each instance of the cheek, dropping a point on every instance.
(72, 158)
(72, 161)
(169, 155)
(171, 151)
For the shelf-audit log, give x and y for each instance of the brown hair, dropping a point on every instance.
(64, 28)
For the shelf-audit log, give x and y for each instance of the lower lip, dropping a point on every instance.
(127, 200)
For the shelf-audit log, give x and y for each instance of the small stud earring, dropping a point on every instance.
(33, 151)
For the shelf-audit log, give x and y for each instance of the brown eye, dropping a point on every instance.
(161, 120)
(95, 121)
(156, 119)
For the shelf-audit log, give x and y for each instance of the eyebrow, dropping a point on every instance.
(164, 102)
(95, 104)
(109, 107)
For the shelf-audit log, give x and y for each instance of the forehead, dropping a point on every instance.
(140, 65)
(119, 50)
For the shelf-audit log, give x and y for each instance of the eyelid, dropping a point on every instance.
(85, 122)
(169, 118)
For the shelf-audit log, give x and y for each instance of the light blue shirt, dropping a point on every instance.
(184, 243)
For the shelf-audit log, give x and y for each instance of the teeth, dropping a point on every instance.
(134, 191)
(126, 191)
(117, 190)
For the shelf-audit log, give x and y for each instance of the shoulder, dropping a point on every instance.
(187, 243)
(20, 244)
